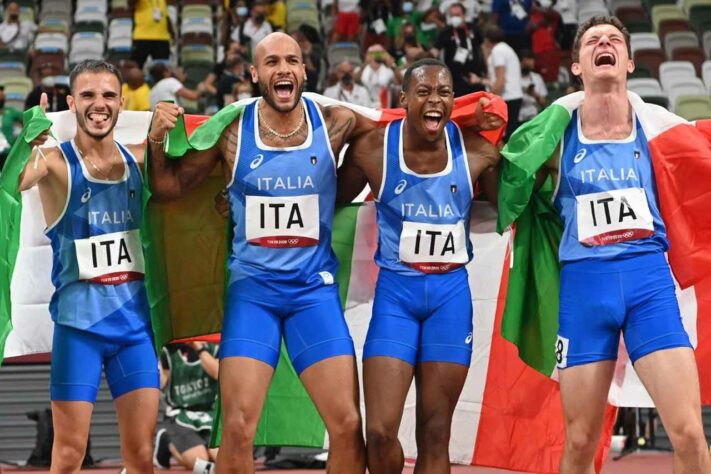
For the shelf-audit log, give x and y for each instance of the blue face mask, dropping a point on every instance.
(242, 11)
(407, 7)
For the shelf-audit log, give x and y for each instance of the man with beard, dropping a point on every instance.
(423, 178)
(279, 163)
(90, 189)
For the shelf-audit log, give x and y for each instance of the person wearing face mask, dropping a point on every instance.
(234, 74)
(459, 45)
(397, 25)
(254, 29)
(513, 17)
(535, 93)
(346, 89)
(429, 28)
(10, 126)
(56, 95)
(16, 34)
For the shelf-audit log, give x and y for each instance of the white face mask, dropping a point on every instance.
(407, 7)
(242, 11)
(243, 95)
(455, 21)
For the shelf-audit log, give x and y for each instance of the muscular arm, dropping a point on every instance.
(32, 174)
(483, 159)
(549, 168)
(363, 164)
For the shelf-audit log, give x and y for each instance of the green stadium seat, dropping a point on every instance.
(638, 26)
(19, 84)
(666, 12)
(694, 107)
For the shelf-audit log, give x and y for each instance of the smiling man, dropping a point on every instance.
(90, 189)
(423, 172)
(614, 273)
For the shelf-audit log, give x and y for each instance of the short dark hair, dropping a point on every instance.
(458, 4)
(425, 62)
(595, 21)
(526, 53)
(93, 66)
(158, 70)
(493, 33)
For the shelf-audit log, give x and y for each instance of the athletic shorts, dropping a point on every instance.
(600, 298)
(313, 328)
(77, 359)
(347, 23)
(425, 318)
(185, 438)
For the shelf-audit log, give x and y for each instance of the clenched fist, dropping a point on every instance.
(164, 119)
(487, 120)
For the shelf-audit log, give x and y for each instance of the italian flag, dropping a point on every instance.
(508, 416)
(681, 158)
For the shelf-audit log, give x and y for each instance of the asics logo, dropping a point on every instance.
(86, 196)
(580, 155)
(400, 186)
(256, 161)
(469, 338)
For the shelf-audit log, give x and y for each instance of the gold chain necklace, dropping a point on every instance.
(107, 175)
(283, 136)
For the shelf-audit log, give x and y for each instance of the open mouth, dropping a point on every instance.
(432, 120)
(605, 59)
(98, 118)
(283, 89)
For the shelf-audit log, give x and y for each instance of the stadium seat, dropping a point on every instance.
(652, 3)
(15, 100)
(51, 42)
(706, 74)
(54, 25)
(86, 45)
(645, 87)
(662, 13)
(644, 41)
(587, 10)
(11, 69)
(339, 52)
(196, 38)
(196, 11)
(630, 13)
(638, 26)
(651, 59)
(688, 5)
(27, 14)
(196, 25)
(18, 84)
(10, 55)
(683, 87)
(615, 5)
(296, 18)
(672, 71)
(640, 72)
(55, 59)
(680, 39)
(694, 55)
(197, 53)
(693, 107)
(120, 36)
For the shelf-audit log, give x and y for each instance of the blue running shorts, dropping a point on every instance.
(313, 327)
(423, 318)
(77, 359)
(598, 298)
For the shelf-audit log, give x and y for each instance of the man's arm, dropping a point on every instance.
(483, 158)
(209, 363)
(351, 179)
(498, 86)
(171, 179)
(549, 168)
(362, 164)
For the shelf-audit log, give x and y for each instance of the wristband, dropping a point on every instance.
(201, 350)
(156, 142)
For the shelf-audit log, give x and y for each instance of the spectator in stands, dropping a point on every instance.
(243, 90)
(513, 16)
(378, 74)
(311, 55)
(543, 28)
(10, 127)
(459, 45)
(407, 15)
(430, 26)
(235, 73)
(504, 69)
(568, 10)
(346, 89)
(56, 93)
(168, 85)
(377, 15)
(407, 45)
(472, 8)
(232, 20)
(188, 376)
(253, 30)
(135, 91)
(276, 13)
(535, 92)
(152, 30)
(16, 34)
(347, 24)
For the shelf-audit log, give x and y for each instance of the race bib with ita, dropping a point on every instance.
(280, 222)
(613, 216)
(111, 259)
(433, 248)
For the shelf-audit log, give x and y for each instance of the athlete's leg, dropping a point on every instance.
(386, 381)
(137, 411)
(671, 378)
(439, 385)
(583, 390)
(332, 384)
(71, 421)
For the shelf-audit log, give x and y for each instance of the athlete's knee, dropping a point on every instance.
(138, 456)
(67, 457)
(581, 442)
(687, 439)
(239, 428)
(346, 427)
(434, 431)
(380, 438)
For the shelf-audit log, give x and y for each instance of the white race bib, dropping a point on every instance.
(614, 216)
(433, 248)
(110, 259)
(282, 221)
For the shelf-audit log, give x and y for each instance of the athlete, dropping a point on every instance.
(421, 325)
(189, 378)
(615, 276)
(90, 189)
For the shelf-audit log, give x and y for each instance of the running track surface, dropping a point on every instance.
(635, 463)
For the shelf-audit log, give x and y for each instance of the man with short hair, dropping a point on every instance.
(168, 85)
(422, 314)
(535, 92)
(346, 89)
(615, 276)
(90, 188)
(14, 33)
(135, 91)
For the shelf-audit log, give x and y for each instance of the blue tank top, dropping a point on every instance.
(98, 266)
(607, 197)
(423, 220)
(282, 202)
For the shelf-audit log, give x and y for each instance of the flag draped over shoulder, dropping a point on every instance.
(681, 158)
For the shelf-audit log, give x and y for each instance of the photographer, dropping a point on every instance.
(346, 89)
(378, 74)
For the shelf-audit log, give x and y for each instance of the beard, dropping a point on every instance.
(83, 126)
(265, 92)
